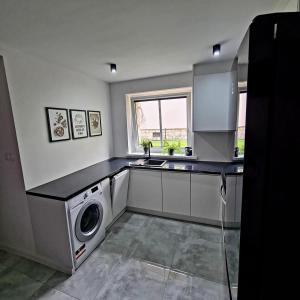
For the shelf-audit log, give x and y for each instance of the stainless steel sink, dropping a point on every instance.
(154, 162)
(149, 162)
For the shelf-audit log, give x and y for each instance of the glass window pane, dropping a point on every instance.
(174, 121)
(147, 118)
(241, 123)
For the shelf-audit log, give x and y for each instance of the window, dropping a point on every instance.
(241, 123)
(162, 119)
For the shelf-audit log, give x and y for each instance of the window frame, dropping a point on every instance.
(133, 144)
(241, 90)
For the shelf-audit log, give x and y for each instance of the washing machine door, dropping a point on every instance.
(88, 220)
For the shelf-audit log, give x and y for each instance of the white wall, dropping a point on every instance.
(15, 225)
(292, 6)
(33, 85)
(208, 146)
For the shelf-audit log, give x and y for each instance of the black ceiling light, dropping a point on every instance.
(113, 68)
(216, 49)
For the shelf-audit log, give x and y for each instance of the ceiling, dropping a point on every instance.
(143, 37)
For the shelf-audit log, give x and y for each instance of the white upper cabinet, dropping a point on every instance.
(214, 100)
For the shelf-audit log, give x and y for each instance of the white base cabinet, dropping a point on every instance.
(234, 188)
(205, 197)
(176, 193)
(194, 197)
(238, 198)
(230, 199)
(145, 190)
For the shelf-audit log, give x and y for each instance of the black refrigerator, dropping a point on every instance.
(270, 194)
(269, 235)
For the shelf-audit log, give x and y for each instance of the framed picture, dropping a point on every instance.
(95, 127)
(78, 123)
(58, 124)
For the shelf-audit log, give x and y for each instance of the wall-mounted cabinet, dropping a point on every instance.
(214, 101)
(176, 188)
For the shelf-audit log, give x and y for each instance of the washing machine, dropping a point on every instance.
(87, 219)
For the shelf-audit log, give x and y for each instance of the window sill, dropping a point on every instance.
(239, 158)
(163, 155)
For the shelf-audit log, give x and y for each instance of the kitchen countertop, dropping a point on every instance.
(67, 187)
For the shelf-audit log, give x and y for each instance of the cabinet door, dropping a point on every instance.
(238, 198)
(176, 193)
(230, 199)
(205, 196)
(119, 192)
(214, 102)
(145, 189)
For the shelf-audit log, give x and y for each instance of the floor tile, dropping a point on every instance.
(137, 220)
(203, 290)
(186, 287)
(135, 280)
(47, 293)
(232, 237)
(16, 286)
(91, 275)
(179, 286)
(7, 260)
(193, 231)
(34, 270)
(157, 246)
(142, 257)
(57, 278)
(233, 264)
(201, 258)
(167, 225)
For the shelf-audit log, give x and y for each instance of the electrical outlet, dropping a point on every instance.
(8, 156)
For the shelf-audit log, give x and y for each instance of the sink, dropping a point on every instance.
(154, 162)
(149, 162)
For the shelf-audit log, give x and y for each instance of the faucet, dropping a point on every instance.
(149, 154)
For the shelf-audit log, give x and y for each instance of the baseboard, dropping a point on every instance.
(214, 223)
(37, 259)
(115, 220)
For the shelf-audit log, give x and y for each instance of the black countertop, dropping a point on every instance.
(71, 185)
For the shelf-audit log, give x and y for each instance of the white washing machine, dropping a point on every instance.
(87, 219)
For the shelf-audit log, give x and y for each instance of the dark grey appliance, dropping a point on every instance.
(269, 231)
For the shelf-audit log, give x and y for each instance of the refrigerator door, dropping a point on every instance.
(270, 185)
(119, 190)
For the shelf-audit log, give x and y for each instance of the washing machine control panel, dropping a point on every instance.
(84, 196)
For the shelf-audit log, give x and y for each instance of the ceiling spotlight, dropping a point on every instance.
(216, 50)
(113, 68)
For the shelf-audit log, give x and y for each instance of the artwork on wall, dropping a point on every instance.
(78, 123)
(95, 127)
(58, 124)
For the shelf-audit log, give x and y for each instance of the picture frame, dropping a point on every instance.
(79, 124)
(58, 124)
(94, 119)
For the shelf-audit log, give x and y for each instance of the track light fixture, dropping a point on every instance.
(113, 68)
(216, 50)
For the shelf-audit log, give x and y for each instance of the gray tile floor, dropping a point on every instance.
(142, 257)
